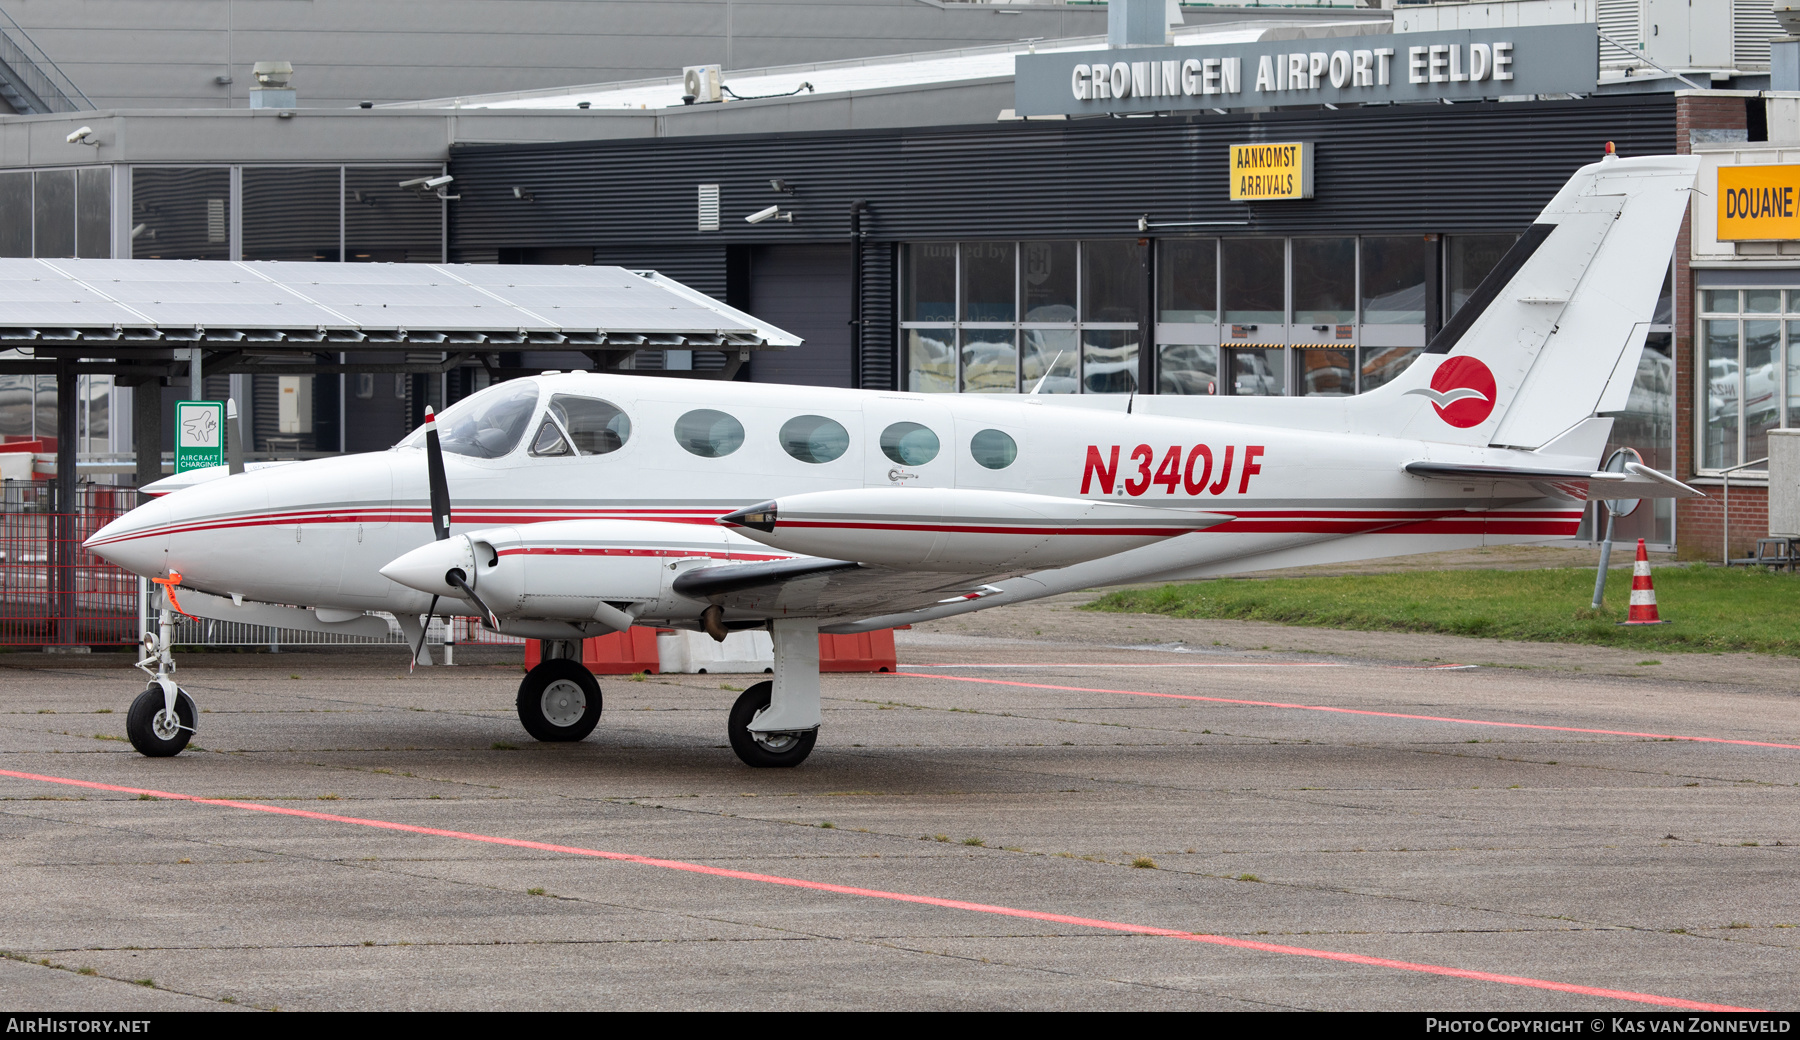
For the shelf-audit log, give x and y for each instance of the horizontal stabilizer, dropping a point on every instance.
(1638, 480)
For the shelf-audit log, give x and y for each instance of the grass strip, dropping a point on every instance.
(1711, 609)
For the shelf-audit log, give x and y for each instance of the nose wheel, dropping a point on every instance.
(153, 729)
(559, 700)
(765, 750)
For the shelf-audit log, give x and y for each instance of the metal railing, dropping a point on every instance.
(29, 80)
(1725, 520)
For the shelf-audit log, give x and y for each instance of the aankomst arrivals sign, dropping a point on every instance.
(1277, 170)
(1461, 65)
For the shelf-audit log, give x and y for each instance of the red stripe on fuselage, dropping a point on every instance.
(677, 553)
(1246, 521)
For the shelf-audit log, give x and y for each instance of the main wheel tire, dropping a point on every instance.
(765, 750)
(150, 732)
(559, 700)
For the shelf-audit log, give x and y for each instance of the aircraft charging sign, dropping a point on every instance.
(199, 435)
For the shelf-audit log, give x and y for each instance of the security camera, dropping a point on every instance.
(431, 187)
(83, 136)
(777, 184)
(772, 213)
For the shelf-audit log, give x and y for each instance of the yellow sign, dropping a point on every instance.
(1265, 172)
(1759, 203)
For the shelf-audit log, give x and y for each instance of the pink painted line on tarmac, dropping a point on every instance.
(1355, 711)
(904, 897)
(1208, 664)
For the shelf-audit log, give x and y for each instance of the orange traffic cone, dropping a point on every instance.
(1643, 594)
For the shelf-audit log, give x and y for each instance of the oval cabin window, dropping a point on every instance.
(708, 433)
(993, 449)
(909, 444)
(814, 438)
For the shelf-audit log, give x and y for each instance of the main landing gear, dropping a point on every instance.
(773, 725)
(163, 717)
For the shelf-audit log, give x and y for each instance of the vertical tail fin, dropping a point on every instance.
(1532, 352)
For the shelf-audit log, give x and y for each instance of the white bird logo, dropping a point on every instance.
(1446, 398)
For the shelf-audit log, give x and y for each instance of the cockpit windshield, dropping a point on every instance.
(486, 425)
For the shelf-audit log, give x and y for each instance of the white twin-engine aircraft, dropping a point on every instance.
(564, 506)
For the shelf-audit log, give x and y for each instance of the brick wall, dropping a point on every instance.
(1698, 526)
(1701, 520)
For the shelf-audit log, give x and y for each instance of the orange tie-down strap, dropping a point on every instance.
(168, 585)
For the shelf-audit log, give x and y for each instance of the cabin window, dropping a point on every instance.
(549, 440)
(594, 427)
(486, 425)
(708, 433)
(909, 444)
(993, 449)
(814, 438)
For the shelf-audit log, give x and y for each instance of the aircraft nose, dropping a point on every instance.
(137, 541)
(424, 568)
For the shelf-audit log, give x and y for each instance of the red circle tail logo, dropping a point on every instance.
(1462, 392)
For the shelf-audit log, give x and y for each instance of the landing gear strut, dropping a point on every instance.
(559, 700)
(765, 750)
(775, 724)
(163, 717)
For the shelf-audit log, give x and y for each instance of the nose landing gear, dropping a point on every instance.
(156, 729)
(559, 700)
(163, 717)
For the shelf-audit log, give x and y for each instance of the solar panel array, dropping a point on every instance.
(197, 300)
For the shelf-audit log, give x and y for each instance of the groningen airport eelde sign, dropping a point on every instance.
(1461, 65)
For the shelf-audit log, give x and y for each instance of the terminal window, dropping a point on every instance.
(1749, 376)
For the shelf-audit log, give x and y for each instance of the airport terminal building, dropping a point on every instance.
(1065, 217)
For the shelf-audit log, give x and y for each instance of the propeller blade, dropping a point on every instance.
(236, 439)
(440, 487)
(457, 578)
(424, 629)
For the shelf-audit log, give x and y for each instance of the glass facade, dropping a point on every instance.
(1309, 315)
(56, 213)
(1749, 378)
(304, 213)
(1005, 317)
(181, 213)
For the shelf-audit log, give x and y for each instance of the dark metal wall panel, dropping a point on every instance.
(1426, 168)
(804, 289)
(700, 267)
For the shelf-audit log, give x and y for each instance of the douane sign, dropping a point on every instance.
(1759, 203)
(1281, 170)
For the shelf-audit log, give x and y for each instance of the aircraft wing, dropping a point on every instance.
(1638, 480)
(828, 587)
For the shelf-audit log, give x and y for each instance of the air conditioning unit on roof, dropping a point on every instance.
(701, 82)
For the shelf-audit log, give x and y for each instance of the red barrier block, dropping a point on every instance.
(620, 653)
(862, 652)
(634, 650)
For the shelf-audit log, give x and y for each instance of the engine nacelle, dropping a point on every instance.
(575, 570)
(959, 529)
